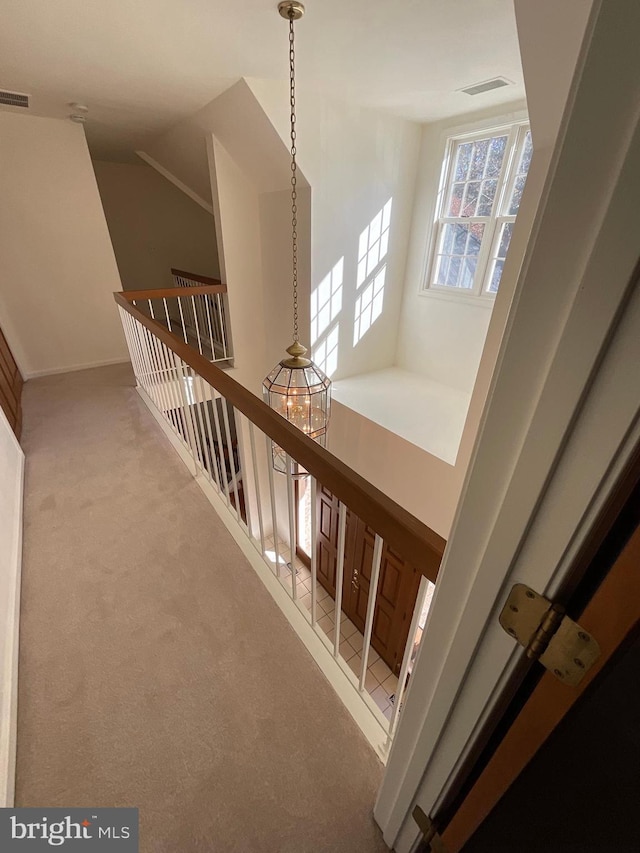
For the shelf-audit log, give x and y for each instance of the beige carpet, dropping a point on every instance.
(155, 670)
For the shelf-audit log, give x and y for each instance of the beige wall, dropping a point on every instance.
(154, 226)
(237, 207)
(248, 171)
(58, 267)
(417, 480)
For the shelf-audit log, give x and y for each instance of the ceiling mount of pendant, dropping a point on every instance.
(291, 10)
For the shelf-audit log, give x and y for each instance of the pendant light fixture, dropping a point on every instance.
(296, 388)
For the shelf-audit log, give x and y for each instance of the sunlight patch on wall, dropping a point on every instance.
(326, 304)
(374, 243)
(369, 306)
(372, 250)
(326, 301)
(325, 353)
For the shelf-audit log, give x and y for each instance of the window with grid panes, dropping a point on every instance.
(484, 179)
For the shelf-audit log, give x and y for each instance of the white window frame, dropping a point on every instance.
(493, 224)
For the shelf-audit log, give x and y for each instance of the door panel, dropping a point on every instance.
(398, 582)
(327, 544)
(397, 592)
(10, 387)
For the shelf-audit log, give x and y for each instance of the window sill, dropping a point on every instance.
(458, 296)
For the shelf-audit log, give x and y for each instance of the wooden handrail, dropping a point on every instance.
(413, 540)
(172, 292)
(193, 277)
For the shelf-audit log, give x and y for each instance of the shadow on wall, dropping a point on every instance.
(327, 297)
(154, 226)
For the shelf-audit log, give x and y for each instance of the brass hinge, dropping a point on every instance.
(431, 841)
(548, 635)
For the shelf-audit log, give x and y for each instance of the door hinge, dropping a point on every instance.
(548, 635)
(431, 841)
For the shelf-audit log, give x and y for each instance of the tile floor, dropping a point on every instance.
(380, 681)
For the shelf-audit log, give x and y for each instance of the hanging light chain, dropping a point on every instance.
(294, 178)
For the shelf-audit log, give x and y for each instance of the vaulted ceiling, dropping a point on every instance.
(142, 65)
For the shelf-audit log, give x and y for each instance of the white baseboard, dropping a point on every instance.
(72, 368)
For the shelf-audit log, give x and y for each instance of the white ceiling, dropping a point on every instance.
(142, 65)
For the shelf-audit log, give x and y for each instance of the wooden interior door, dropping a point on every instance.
(612, 616)
(10, 387)
(397, 592)
(397, 585)
(327, 539)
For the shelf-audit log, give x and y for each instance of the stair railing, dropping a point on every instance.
(225, 434)
(196, 314)
(207, 312)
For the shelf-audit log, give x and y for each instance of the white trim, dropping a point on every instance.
(516, 132)
(452, 294)
(559, 424)
(9, 693)
(175, 181)
(553, 590)
(361, 706)
(450, 129)
(73, 368)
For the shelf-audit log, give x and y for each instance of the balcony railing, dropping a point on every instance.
(372, 564)
(206, 313)
(196, 313)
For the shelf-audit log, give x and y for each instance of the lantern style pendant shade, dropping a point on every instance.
(298, 390)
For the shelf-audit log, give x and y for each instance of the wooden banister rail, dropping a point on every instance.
(173, 292)
(413, 540)
(204, 279)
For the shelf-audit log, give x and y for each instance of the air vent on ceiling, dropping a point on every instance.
(14, 99)
(487, 86)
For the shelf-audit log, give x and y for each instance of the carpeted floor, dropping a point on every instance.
(155, 670)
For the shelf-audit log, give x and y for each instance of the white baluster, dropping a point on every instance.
(292, 526)
(274, 514)
(342, 524)
(256, 480)
(371, 606)
(314, 551)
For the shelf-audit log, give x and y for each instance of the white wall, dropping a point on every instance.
(11, 482)
(456, 341)
(355, 160)
(441, 334)
(237, 208)
(58, 267)
(452, 340)
(154, 226)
